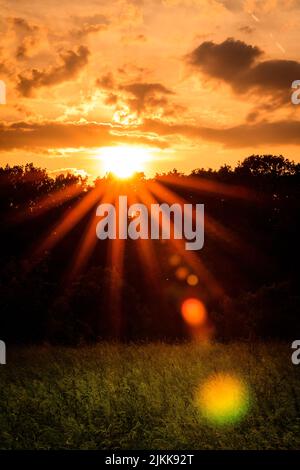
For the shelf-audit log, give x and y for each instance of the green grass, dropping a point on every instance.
(114, 396)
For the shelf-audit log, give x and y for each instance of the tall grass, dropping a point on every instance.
(113, 396)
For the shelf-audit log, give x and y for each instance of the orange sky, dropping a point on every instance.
(199, 83)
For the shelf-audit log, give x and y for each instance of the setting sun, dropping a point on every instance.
(124, 161)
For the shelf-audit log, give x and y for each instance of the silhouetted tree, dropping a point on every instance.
(251, 249)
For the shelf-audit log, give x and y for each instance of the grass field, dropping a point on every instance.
(114, 396)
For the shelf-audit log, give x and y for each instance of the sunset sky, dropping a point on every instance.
(188, 83)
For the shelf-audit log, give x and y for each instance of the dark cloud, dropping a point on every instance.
(245, 135)
(226, 60)
(72, 63)
(54, 135)
(36, 136)
(141, 90)
(238, 64)
(27, 36)
(139, 97)
(271, 75)
(106, 82)
(146, 96)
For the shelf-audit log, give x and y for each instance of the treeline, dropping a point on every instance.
(247, 272)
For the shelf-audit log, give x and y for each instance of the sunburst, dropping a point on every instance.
(124, 161)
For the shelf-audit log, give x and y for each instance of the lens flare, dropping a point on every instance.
(181, 273)
(223, 399)
(192, 280)
(124, 161)
(193, 312)
(174, 260)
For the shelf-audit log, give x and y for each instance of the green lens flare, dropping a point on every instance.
(223, 399)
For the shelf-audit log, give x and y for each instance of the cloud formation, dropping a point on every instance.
(86, 25)
(72, 63)
(146, 96)
(145, 93)
(240, 66)
(55, 135)
(245, 135)
(27, 36)
(140, 98)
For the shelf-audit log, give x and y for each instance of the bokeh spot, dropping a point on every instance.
(192, 280)
(181, 273)
(223, 399)
(193, 312)
(174, 260)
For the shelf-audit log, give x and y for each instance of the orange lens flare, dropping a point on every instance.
(192, 280)
(193, 312)
(174, 260)
(181, 273)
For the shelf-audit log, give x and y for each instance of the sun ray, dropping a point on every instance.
(89, 240)
(191, 258)
(213, 228)
(115, 261)
(68, 221)
(46, 203)
(145, 248)
(204, 185)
